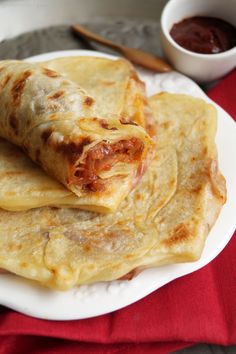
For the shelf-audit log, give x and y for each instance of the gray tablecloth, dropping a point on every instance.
(145, 36)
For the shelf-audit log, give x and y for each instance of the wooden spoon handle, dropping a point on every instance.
(95, 37)
(136, 56)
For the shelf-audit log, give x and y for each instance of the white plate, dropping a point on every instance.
(97, 299)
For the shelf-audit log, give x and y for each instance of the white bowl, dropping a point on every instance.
(200, 67)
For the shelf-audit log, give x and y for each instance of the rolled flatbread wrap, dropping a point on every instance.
(53, 120)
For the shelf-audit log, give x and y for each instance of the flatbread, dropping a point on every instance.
(114, 84)
(53, 120)
(166, 219)
(24, 186)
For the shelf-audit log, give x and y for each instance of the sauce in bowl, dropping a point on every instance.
(205, 35)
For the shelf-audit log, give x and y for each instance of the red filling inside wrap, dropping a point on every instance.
(102, 157)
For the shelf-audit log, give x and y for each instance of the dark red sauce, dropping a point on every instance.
(206, 35)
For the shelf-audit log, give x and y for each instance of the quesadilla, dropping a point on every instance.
(166, 219)
(53, 120)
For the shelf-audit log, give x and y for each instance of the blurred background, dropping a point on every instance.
(44, 25)
(18, 16)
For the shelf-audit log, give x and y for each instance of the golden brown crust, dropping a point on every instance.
(50, 73)
(56, 95)
(18, 87)
(89, 101)
(4, 81)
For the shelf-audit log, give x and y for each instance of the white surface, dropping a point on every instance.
(201, 67)
(93, 300)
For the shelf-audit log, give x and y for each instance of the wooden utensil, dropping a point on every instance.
(136, 56)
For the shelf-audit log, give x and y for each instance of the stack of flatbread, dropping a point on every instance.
(97, 182)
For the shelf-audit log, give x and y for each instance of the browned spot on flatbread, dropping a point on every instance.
(87, 248)
(133, 273)
(13, 123)
(104, 124)
(46, 134)
(165, 125)
(172, 182)
(50, 73)
(179, 234)
(151, 129)
(89, 101)
(124, 121)
(71, 149)
(205, 151)
(4, 81)
(18, 87)
(197, 189)
(107, 83)
(138, 196)
(52, 116)
(56, 95)
(14, 247)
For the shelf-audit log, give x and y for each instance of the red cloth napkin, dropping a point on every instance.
(197, 308)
